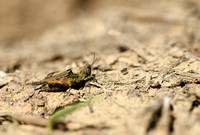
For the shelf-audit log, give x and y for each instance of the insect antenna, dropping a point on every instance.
(94, 59)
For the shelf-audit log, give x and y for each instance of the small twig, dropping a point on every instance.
(29, 96)
(97, 85)
(27, 119)
(182, 59)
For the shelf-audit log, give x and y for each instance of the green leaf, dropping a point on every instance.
(69, 109)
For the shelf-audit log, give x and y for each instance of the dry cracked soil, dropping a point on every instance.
(147, 70)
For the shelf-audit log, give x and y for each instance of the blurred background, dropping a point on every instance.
(72, 28)
(21, 19)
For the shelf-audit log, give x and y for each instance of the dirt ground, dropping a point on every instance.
(148, 65)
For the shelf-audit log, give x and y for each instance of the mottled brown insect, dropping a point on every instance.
(66, 79)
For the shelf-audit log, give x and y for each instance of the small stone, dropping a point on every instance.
(2, 74)
(122, 48)
(3, 83)
(124, 71)
(133, 93)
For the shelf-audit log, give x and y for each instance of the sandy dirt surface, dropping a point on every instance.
(148, 65)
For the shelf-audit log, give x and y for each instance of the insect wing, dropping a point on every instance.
(61, 75)
(64, 74)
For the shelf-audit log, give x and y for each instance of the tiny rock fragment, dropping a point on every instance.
(124, 71)
(154, 75)
(2, 74)
(104, 68)
(122, 48)
(133, 93)
(3, 83)
(113, 33)
(176, 52)
(39, 102)
(155, 84)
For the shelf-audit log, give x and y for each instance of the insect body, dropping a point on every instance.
(66, 79)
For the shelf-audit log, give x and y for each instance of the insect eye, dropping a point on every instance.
(88, 66)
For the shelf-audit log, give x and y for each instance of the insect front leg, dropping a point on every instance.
(87, 90)
(50, 74)
(68, 91)
(89, 78)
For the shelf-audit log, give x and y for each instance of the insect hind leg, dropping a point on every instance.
(39, 88)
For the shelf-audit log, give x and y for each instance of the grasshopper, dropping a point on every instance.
(67, 79)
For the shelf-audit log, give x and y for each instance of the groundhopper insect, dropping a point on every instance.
(67, 79)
